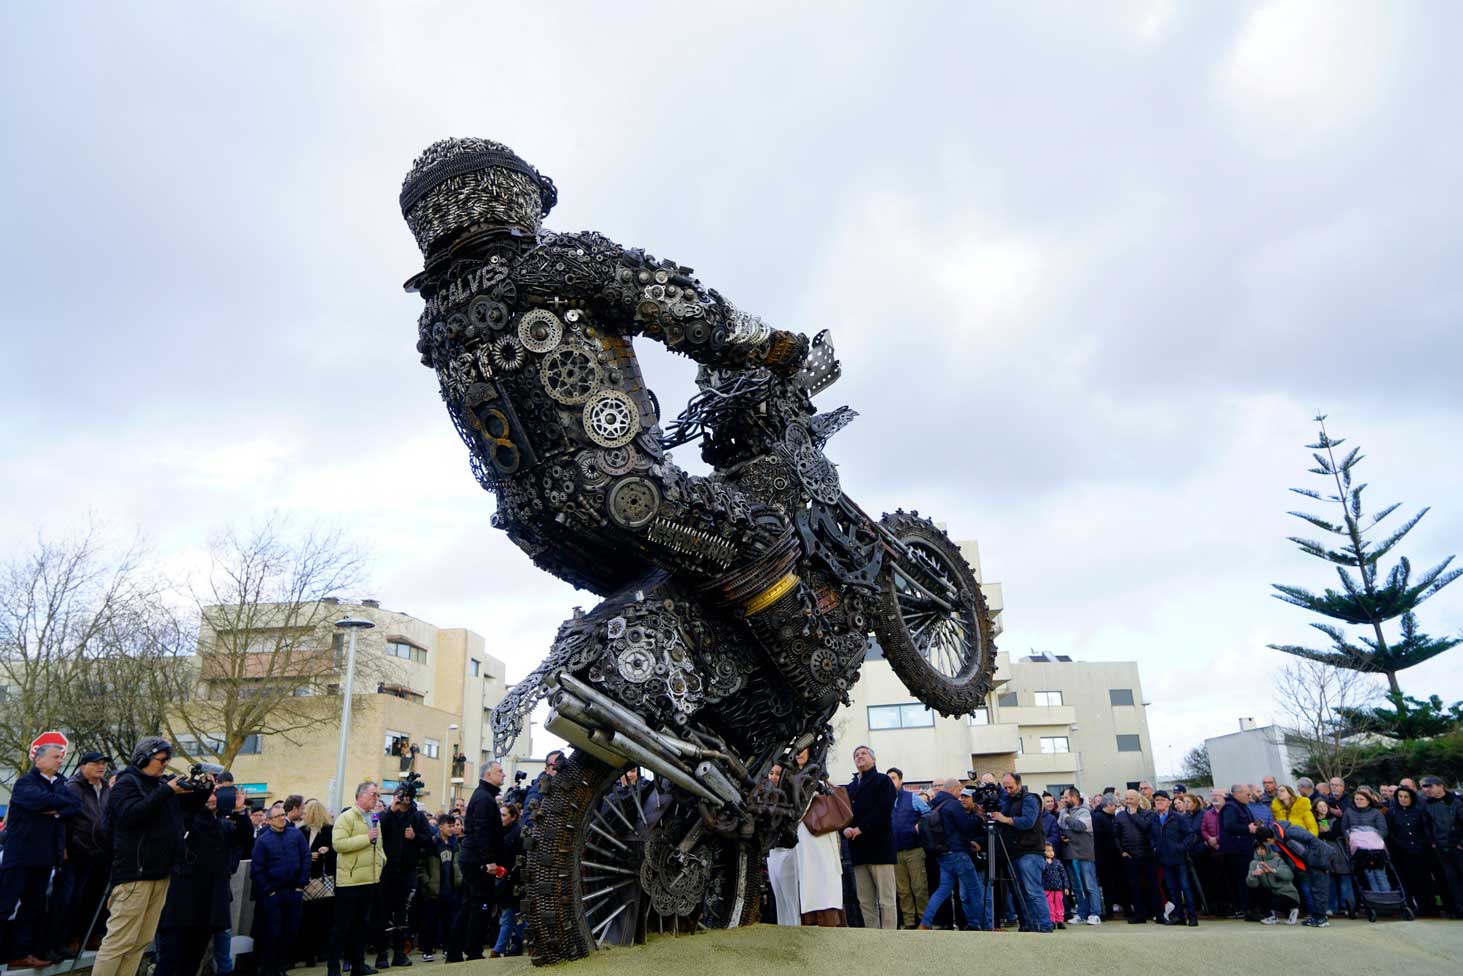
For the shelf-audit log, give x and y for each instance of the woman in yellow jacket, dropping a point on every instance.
(359, 860)
(1294, 809)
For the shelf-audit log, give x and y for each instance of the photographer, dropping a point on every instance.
(482, 854)
(406, 838)
(146, 813)
(1025, 844)
(198, 904)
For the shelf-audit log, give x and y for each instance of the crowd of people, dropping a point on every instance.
(138, 859)
(1268, 853)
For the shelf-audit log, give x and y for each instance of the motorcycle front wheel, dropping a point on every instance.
(935, 628)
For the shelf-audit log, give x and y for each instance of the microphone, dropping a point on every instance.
(375, 822)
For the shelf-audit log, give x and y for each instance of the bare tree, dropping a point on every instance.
(1320, 702)
(1196, 769)
(264, 655)
(63, 606)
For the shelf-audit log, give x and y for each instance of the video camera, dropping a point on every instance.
(196, 772)
(988, 795)
(409, 788)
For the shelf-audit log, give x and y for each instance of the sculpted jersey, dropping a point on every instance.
(530, 337)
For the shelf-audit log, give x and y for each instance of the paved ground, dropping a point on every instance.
(1358, 947)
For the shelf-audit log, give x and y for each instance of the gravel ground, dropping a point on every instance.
(1422, 946)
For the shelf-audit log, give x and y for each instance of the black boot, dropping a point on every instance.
(399, 958)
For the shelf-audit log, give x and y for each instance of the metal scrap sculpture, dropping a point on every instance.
(737, 608)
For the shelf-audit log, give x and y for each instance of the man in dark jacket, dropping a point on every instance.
(1237, 828)
(1113, 888)
(1445, 833)
(952, 844)
(483, 862)
(1134, 833)
(1174, 837)
(407, 838)
(279, 869)
(146, 813)
(199, 900)
(871, 841)
(88, 846)
(35, 846)
(1021, 833)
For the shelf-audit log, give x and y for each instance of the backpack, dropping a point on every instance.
(1291, 849)
(932, 835)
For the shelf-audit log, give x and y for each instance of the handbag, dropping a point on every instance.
(828, 812)
(319, 889)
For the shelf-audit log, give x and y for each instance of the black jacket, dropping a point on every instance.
(147, 825)
(1174, 837)
(86, 834)
(402, 855)
(1445, 821)
(1134, 833)
(483, 841)
(872, 797)
(199, 895)
(506, 893)
(35, 824)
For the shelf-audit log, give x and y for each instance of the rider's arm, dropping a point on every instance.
(633, 293)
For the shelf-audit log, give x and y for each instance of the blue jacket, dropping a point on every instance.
(908, 808)
(281, 861)
(1234, 828)
(1052, 831)
(1262, 811)
(35, 824)
(1174, 836)
(960, 827)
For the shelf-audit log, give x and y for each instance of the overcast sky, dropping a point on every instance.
(1091, 269)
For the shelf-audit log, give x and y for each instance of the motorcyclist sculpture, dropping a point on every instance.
(738, 607)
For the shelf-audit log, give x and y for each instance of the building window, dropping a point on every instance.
(396, 742)
(1048, 699)
(405, 651)
(253, 745)
(1051, 744)
(911, 716)
(1006, 700)
(981, 716)
(1120, 696)
(1056, 789)
(1020, 746)
(431, 748)
(474, 667)
(1129, 743)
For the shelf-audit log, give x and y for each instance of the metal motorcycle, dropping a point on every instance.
(662, 676)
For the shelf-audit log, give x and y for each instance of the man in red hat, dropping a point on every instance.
(34, 847)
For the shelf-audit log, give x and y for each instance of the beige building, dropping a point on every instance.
(416, 685)
(1056, 721)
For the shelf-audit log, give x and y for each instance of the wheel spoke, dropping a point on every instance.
(602, 929)
(608, 836)
(601, 892)
(606, 867)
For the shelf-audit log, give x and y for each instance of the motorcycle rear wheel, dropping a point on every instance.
(945, 655)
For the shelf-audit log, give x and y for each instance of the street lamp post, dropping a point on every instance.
(447, 765)
(350, 625)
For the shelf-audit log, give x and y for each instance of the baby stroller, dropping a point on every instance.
(1367, 866)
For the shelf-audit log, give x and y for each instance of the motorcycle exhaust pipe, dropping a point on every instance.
(657, 764)
(578, 737)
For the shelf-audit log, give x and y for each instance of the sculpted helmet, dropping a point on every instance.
(457, 187)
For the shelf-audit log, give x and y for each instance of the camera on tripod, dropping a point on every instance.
(409, 788)
(987, 795)
(196, 772)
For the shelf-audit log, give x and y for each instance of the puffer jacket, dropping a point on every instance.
(357, 860)
(1053, 876)
(1407, 827)
(1371, 817)
(1299, 813)
(1282, 882)
(1135, 833)
(280, 862)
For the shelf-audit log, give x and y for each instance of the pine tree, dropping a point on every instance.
(1368, 598)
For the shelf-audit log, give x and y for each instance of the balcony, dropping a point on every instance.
(1048, 762)
(990, 740)
(1028, 715)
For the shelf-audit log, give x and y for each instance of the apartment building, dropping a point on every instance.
(1056, 721)
(423, 695)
